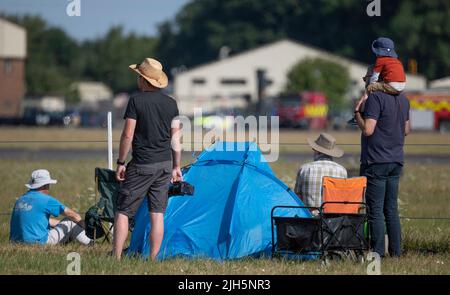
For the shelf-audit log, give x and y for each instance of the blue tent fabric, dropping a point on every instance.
(228, 216)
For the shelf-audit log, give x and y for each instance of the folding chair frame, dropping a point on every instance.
(355, 229)
(272, 218)
(323, 227)
(107, 230)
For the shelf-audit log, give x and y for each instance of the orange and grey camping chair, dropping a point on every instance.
(344, 214)
(343, 195)
(338, 228)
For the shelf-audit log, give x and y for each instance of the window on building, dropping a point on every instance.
(8, 66)
(228, 81)
(198, 81)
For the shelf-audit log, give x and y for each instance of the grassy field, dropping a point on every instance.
(424, 192)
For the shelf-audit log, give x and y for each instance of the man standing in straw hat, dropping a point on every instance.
(152, 129)
(309, 178)
(31, 222)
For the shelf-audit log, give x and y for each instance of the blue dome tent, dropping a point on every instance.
(228, 216)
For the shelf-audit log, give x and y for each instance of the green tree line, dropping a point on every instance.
(55, 60)
(420, 28)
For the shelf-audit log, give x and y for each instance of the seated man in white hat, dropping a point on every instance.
(309, 178)
(31, 221)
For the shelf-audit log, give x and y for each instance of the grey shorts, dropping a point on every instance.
(145, 180)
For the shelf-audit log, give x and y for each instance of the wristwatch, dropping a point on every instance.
(120, 163)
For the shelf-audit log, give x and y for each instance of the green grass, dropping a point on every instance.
(424, 192)
(52, 260)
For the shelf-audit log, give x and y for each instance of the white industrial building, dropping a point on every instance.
(227, 82)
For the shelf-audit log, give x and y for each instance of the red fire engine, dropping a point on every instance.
(304, 110)
(430, 110)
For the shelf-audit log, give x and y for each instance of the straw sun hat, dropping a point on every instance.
(152, 71)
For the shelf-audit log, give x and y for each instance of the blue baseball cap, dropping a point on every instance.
(384, 47)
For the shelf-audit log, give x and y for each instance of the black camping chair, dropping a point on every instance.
(323, 234)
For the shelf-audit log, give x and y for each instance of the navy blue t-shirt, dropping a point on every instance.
(385, 145)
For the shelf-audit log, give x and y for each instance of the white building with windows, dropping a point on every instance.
(231, 81)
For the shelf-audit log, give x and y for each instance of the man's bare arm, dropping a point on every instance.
(367, 126)
(125, 145)
(53, 221)
(74, 216)
(176, 143)
(407, 128)
(126, 139)
(176, 150)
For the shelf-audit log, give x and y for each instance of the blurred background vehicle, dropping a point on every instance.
(430, 110)
(307, 110)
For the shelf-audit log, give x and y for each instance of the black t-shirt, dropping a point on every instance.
(153, 112)
(385, 145)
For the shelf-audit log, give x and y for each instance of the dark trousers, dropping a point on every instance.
(381, 198)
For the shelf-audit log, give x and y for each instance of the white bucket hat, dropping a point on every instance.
(40, 178)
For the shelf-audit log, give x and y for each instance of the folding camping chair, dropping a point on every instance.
(338, 227)
(100, 217)
(344, 215)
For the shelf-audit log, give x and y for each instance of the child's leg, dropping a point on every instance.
(397, 86)
(375, 86)
(381, 86)
(389, 89)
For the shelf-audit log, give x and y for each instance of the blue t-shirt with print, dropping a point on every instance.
(30, 217)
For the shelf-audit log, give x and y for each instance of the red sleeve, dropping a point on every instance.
(378, 67)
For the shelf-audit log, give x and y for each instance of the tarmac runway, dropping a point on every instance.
(73, 154)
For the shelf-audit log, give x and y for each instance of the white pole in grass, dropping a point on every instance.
(110, 147)
(110, 154)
